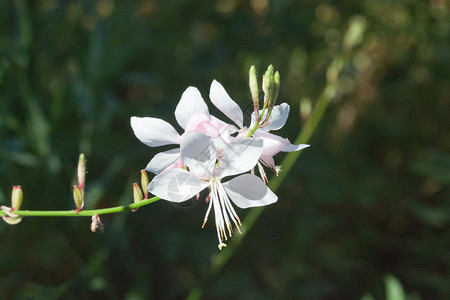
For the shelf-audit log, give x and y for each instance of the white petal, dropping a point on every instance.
(291, 147)
(220, 98)
(240, 156)
(273, 143)
(162, 160)
(198, 153)
(277, 118)
(249, 191)
(154, 132)
(191, 103)
(176, 185)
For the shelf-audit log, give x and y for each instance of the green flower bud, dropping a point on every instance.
(16, 197)
(137, 194)
(276, 88)
(267, 84)
(253, 83)
(78, 198)
(144, 183)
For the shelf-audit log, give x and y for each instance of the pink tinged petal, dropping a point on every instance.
(291, 148)
(176, 185)
(220, 98)
(249, 191)
(273, 143)
(240, 156)
(199, 153)
(154, 132)
(268, 161)
(221, 126)
(162, 160)
(201, 123)
(191, 103)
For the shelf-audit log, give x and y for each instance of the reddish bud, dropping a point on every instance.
(96, 224)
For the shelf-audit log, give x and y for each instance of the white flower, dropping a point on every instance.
(192, 115)
(199, 153)
(273, 144)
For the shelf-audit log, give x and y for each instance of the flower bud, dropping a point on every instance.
(81, 172)
(144, 183)
(137, 194)
(78, 198)
(96, 224)
(275, 89)
(16, 197)
(253, 83)
(267, 84)
(16, 201)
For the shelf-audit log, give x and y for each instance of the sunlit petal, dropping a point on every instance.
(154, 132)
(248, 190)
(176, 185)
(291, 147)
(191, 103)
(277, 117)
(240, 156)
(162, 160)
(199, 153)
(273, 143)
(220, 98)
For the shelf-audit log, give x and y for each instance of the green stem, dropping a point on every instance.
(256, 126)
(83, 213)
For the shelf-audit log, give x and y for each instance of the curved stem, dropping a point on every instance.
(83, 213)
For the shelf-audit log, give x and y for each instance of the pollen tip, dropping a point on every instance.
(221, 245)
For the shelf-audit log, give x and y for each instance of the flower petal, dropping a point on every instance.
(268, 161)
(220, 98)
(191, 103)
(273, 143)
(154, 132)
(176, 185)
(162, 160)
(240, 156)
(277, 117)
(249, 191)
(201, 123)
(199, 153)
(291, 147)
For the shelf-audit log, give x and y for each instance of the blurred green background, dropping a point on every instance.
(370, 197)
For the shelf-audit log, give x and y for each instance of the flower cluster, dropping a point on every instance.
(211, 151)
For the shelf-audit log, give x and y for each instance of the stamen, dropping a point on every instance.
(230, 209)
(207, 211)
(262, 173)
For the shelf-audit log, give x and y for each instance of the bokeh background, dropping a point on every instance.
(369, 200)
